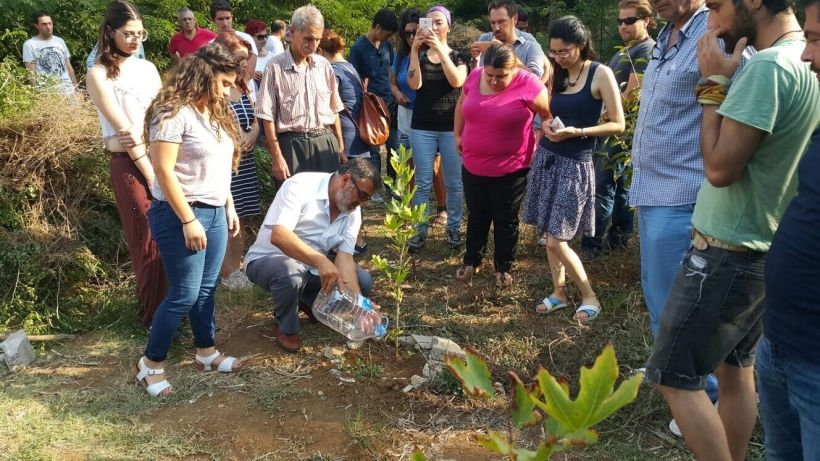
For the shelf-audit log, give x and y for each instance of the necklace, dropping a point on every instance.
(571, 83)
(783, 35)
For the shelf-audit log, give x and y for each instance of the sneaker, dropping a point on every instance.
(673, 425)
(376, 198)
(237, 281)
(415, 244)
(454, 238)
(674, 429)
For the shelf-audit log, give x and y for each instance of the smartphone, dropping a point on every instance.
(426, 23)
(557, 123)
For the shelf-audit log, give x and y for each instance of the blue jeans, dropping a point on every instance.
(192, 276)
(611, 203)
(790, 411)
(392, 144)
(665, 236)
(425, 145)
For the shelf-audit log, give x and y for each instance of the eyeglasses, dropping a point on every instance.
(670, 53)
(628, 21)
(559, 53)
(261, 36)
(363, 197)
(133, 36)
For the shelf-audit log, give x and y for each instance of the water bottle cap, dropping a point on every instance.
(381, 329)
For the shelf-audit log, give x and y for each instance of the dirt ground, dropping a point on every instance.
(331, 403)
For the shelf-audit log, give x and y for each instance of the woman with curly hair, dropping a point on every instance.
(122, 86)
(194, 145)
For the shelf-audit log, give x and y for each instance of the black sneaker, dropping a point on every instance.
(454, 238)
(416, 242)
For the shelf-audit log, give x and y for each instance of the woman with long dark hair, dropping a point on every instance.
(561, 190)
(122, 86)
(195, 143)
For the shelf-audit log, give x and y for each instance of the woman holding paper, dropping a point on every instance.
(561, 191)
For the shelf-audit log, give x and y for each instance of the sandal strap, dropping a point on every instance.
(225, 366)
(590, 310)
(144, 370)
(154, 390)
(208, 361)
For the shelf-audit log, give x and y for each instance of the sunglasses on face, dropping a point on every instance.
(261, 36)
(363, 197)
(628, 21)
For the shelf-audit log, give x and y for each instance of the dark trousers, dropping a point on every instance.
(133, 199)
(318, 151)
(611, 203)
(495, 200)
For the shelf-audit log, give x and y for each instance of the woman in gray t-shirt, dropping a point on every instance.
(193, 138)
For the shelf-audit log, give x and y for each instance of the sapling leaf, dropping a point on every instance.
(497, 442)
(418, 455)
(473, 374)
(522, 410)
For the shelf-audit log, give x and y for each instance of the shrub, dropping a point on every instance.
(59, 233)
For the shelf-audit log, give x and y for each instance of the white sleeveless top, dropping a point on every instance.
(134, 90)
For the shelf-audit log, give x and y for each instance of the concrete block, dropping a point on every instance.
(442, 347)
(17, 350)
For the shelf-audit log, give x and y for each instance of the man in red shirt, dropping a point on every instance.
(191, 38)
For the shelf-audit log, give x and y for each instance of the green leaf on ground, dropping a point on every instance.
(474, 375)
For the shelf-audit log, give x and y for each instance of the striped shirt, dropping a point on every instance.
(667, 162)
(298, 98)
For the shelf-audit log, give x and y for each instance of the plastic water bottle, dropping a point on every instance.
(350, 315)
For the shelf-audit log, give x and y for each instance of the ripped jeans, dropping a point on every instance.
(713, 315)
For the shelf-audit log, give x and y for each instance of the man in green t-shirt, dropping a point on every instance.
(752, 138)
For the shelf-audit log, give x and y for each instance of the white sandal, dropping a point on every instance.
(156, 389)
(225, 366)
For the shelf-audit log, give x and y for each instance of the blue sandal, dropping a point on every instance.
(590, 310)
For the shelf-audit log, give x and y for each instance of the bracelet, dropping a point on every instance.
(583, 133)
(712, 90)
(189, 222)
(141, 156)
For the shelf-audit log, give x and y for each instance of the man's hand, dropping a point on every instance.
(329, 275)
(279, 168)
(712, 59)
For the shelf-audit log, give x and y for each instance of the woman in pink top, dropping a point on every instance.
(493, 132)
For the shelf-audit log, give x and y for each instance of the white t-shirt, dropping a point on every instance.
(274, 45)
(203, 166)
(133, 90)
(302, 205)
(50, 58)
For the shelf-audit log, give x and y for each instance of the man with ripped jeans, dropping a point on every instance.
(752, 137)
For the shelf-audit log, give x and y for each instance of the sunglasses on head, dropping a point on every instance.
(629, 21)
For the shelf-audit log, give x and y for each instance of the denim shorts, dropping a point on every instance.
(713, 315)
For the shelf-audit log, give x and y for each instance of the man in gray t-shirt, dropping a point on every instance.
(46, 57)
(611, 189)
(503, 15)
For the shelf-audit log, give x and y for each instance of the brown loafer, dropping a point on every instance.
(290, 343)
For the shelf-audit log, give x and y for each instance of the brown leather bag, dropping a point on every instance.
(374, 119)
